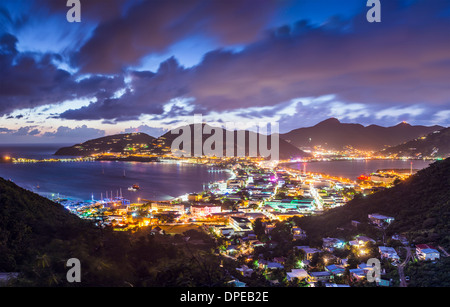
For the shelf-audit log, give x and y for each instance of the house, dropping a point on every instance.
(330, 244)
(388, 253)
(335, 269)
(157, 230)
(245, 271)
(323, 276)
(240, 224)
(205, 210)
(334, 285)
(400, 238)
(235, 184)
(358, 274)
(427, 252)
(194, 197)
(365, 267)
(300, 274)
(379, 219)
(309, 251)
(355, 224)
(299, 234)
(361, 241)
(384, 283)
(279, 260)
(274, 265)
(237, 283)
(256, 243)
(231, 249)
(227, 231)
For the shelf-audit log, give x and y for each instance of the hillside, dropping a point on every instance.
(436, 144)
(286, 150)
(38, 236)
(420, 206)
(28, 222)
(332, 134)
(114, 143)
(143, 143)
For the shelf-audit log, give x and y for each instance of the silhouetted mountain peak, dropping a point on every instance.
(329, 122)
(403, 124)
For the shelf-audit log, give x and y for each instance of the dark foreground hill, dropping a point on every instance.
(38, 236)
(420, 206)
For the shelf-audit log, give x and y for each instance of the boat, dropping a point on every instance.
(134, 187)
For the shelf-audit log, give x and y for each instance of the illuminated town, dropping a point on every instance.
(224, 144)
(259, 194)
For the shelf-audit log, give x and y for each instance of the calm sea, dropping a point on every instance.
(158, 181)
(84, 180)
(353, 169)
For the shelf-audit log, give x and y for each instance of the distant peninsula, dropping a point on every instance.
(116, 144)
(141, 146)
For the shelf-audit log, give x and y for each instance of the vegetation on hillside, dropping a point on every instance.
(38, 236)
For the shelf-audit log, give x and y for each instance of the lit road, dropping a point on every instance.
(318, 199)
(401, 272)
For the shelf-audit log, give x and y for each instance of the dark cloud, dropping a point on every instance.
(153, 26)
(152, 131)
(93, 10)
(82, 133)
(29, 80)
(5, 130)
(25, 131)
(403, 61)
(400, 66)
(149, 93)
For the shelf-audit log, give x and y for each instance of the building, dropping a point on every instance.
(204, 210)
(298, 233)
(245, 271)
(240, 224)
(361, 241)
(334, 285)
(379, 219)
(300, 274)
(427, 252)
(335, 269)
(330, 244)
(388, 253)
(323, 276)
(235, 184)
(358, 274)
(237, 283)
(194, 197)
(383, 178)
(309, 251)
(162, 206)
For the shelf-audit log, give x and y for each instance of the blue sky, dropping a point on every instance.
(147, 66)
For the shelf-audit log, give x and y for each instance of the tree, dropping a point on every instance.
(259, 228)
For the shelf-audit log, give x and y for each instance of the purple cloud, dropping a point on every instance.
(403, 61)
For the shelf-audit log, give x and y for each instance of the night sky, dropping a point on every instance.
(133, 65)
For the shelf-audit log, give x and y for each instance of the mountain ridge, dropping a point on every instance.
(435, 144)
(163, 144)
(332, 134)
